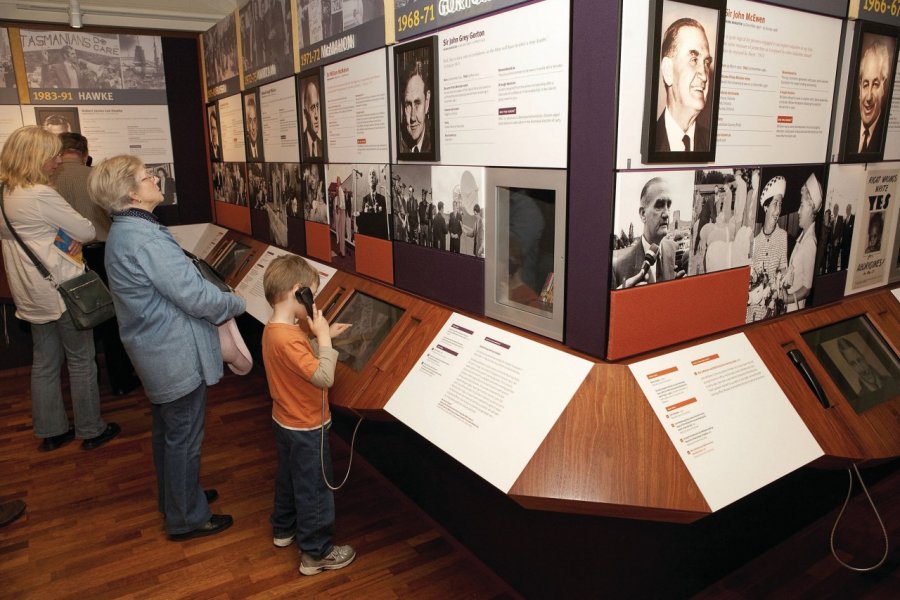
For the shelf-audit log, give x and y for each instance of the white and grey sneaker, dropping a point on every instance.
(338, 558)
(283, 542)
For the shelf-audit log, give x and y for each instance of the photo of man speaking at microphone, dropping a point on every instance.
(652, 227)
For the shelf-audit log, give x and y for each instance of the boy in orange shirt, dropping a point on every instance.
(299, 372)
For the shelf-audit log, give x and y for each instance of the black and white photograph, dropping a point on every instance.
(319, 20)
(259, 188)
(409, 184)
(266, 47)
(342, 190)
(312, 192)
(72, 63)
(783, 260)
(7, 70)
(220, 58)
(858, 360)
(142, 62)
(723, 219)
(454, 206)
(165, 181)
(371, 211)
(58, 119)
(416, 74)
(253, 139)
(846, 186)
(683, 73)
(868, 100)
(230, 183)
(215, 132)
(313, 141)
(281, 181)
(652, 225)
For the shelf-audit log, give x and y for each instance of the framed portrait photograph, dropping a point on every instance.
(868, 102)
(215, 132)
(59, 119)
(311, 101)
(683, 79)
(253, 127)
(858, 359)
(416, 74)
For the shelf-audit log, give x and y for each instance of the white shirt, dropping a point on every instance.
(37, 213)
(675, 133)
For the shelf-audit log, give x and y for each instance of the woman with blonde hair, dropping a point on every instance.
(167, 315)
(38, 214)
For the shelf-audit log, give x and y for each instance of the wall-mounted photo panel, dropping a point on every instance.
(525, 252)
(652, 224)
(356, 113)
(846, 184)
(220, 59)
(868, 101)
(683, 76)
(215, 132)
(858, 360)
(70, 67)
(312, 192)
(266, 45)
(416, 72)
(410, 185)
(783, 265)
(871, 252)
(10, 120)
(276, 196)
(465, 188)
(342, 188)
(230, 183)
(313, 137)
(9, 94)
(413, 19)
(259, 187)
(253, 142)
(231, 129)
(165, 174)
(504, 89)
(723, 218)
(331, 31)
(372, 214)
(110, 130)
(278, 121)
(776, 90)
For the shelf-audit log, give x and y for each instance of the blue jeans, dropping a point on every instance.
(303, 503)
(54, 342)
(177, 436)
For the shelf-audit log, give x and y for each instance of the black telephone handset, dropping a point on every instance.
(305, 297)
(800, 362)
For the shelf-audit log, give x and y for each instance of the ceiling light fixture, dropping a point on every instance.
(75, 14)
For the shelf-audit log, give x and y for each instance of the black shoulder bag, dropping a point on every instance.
(87, 299)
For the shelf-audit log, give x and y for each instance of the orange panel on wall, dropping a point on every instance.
(318, 241)
(375, 258)
(234, 217)
(654, 316)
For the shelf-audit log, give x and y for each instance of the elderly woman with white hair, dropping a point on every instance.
(801, 266)
(167, 315)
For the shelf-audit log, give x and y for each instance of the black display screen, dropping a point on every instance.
(372, 320)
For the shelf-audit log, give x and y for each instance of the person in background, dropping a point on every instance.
(70, 180)
(299, 371)
(801, 266)
(38, 213)
(167, 316)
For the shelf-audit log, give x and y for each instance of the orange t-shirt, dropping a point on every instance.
(290, 363)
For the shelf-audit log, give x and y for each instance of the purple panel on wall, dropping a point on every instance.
(296, 235)
(592, 127)
(829, 288)
(453, 279)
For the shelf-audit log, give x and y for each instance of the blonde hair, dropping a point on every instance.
(24, 154)
(284, 273)
(110, 182)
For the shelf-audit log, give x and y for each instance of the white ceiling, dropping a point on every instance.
(181, 15)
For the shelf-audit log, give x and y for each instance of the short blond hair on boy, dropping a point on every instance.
(285, 272)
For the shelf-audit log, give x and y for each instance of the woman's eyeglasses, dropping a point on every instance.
(149, 175)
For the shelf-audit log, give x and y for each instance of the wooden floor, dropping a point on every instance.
(92, 530)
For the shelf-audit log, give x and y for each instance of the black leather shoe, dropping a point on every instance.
(111, 431)
(216, 524)
(10, 511)
(56, 441)
(127, 387)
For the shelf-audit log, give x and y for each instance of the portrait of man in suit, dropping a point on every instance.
(312, 118)
(254, 139)
(65, 72)
(417, 104)
(872, 92)
(651, 258)
(215, 144)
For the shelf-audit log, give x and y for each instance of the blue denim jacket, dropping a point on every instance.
(167, 312)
